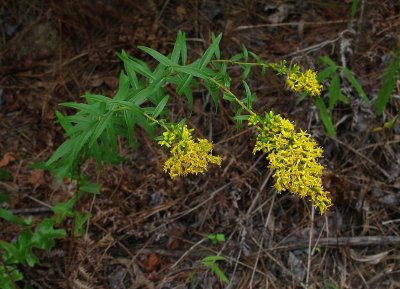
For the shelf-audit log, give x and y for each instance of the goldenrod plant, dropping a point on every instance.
(142, 99)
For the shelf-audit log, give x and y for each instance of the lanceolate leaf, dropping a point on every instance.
(324, 74)
(8, 216)
(62, 150)
(334, 91)
(160, 106)
(157, 56)
(179, 43)
(130, 70)
(326, 119)
(357, 86)
(210, 262)
(100, 127)
(327, 60)
(389, 83)
(214, 47)
(191, 70)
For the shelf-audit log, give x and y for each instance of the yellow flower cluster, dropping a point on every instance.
(187, 155)
(307, 81)
(293, 157)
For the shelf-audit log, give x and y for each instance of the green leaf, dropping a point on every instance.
(241, 117)
(324, 74)
(64, 149)
(8, 216)
(184, 50)
(92, 188)
(249, 95)
(91, 109)
(141, 96)
(123, 87)
(130, 69)
(4, 198)
(214, 95)
(236, 57)
(354, 6)
(189, 97)
(64, 122)
(5, 176)
(211, 50)
(157, 56)
(228, 97)
(246, 71)
(217, 52)
(133, 65)
(256, 57)
(184, 84)
(12, 255)
(245, 53)
(80, 221)
(328, 61)
(334, 91)
(390, 124)
(191, 70)
(63, 210)
(128, 117)
(388, 85)
(324, 115)
(24, 245)
(100, 127)
(45, 235)
(176, 52)
(353, 81)
(216, 238)
(160, 107)
(8, 276)
(210, 262)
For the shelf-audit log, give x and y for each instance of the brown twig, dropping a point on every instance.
(345, 241)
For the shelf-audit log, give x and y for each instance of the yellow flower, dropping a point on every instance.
(293, 157)
(307, 81)
(189, 156)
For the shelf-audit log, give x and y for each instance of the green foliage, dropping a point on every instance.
(389, 83)
(216, 238)
(21, 252)
(332, 75)
(325, 116)
(390, 124)
(3, 198)
(354, 7)
(211, 263)
(5, 176)
(8, 276)
(10, 217)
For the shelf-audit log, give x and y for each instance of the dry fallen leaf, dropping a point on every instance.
(7, 158)
(370, 259)
(36, 178)
(151, 262)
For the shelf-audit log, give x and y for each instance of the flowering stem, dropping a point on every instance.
(231, 94)
(266, 65)
(156, 121)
